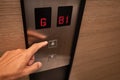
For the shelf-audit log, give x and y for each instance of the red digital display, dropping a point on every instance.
(43, 18)
(43, 22)
(64, 16)
(63, 20)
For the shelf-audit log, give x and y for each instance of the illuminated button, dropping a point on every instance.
(43, 17)
(52, 43)
(64, 15)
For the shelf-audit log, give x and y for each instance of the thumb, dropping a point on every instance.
(32, 68)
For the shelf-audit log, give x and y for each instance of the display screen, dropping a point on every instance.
(64, 15)
(43, 17)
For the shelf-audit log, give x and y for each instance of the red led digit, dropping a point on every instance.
(67, 20)
(61, 20)
(64, 16)
(43, 22)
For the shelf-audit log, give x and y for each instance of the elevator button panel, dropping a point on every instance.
(53, 21)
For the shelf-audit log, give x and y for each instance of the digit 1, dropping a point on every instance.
(67, 19)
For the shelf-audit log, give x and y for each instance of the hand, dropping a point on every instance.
(34, 36)
(18, 63)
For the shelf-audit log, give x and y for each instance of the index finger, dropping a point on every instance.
(34, 48)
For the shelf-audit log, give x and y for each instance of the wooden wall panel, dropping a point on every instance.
(98, 49)
(11, 27)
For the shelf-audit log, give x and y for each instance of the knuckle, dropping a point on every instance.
(19, 50)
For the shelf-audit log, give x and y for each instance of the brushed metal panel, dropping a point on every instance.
(63, 35)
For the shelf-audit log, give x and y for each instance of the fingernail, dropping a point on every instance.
(39, 64)
(46, 42)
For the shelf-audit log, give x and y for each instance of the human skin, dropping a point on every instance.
(34, 36)
(19, 63)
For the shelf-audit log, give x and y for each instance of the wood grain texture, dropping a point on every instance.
(98, 48)
(11, 26)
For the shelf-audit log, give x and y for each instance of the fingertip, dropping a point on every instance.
(46, 42)
(39, 64)
(42, 44)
